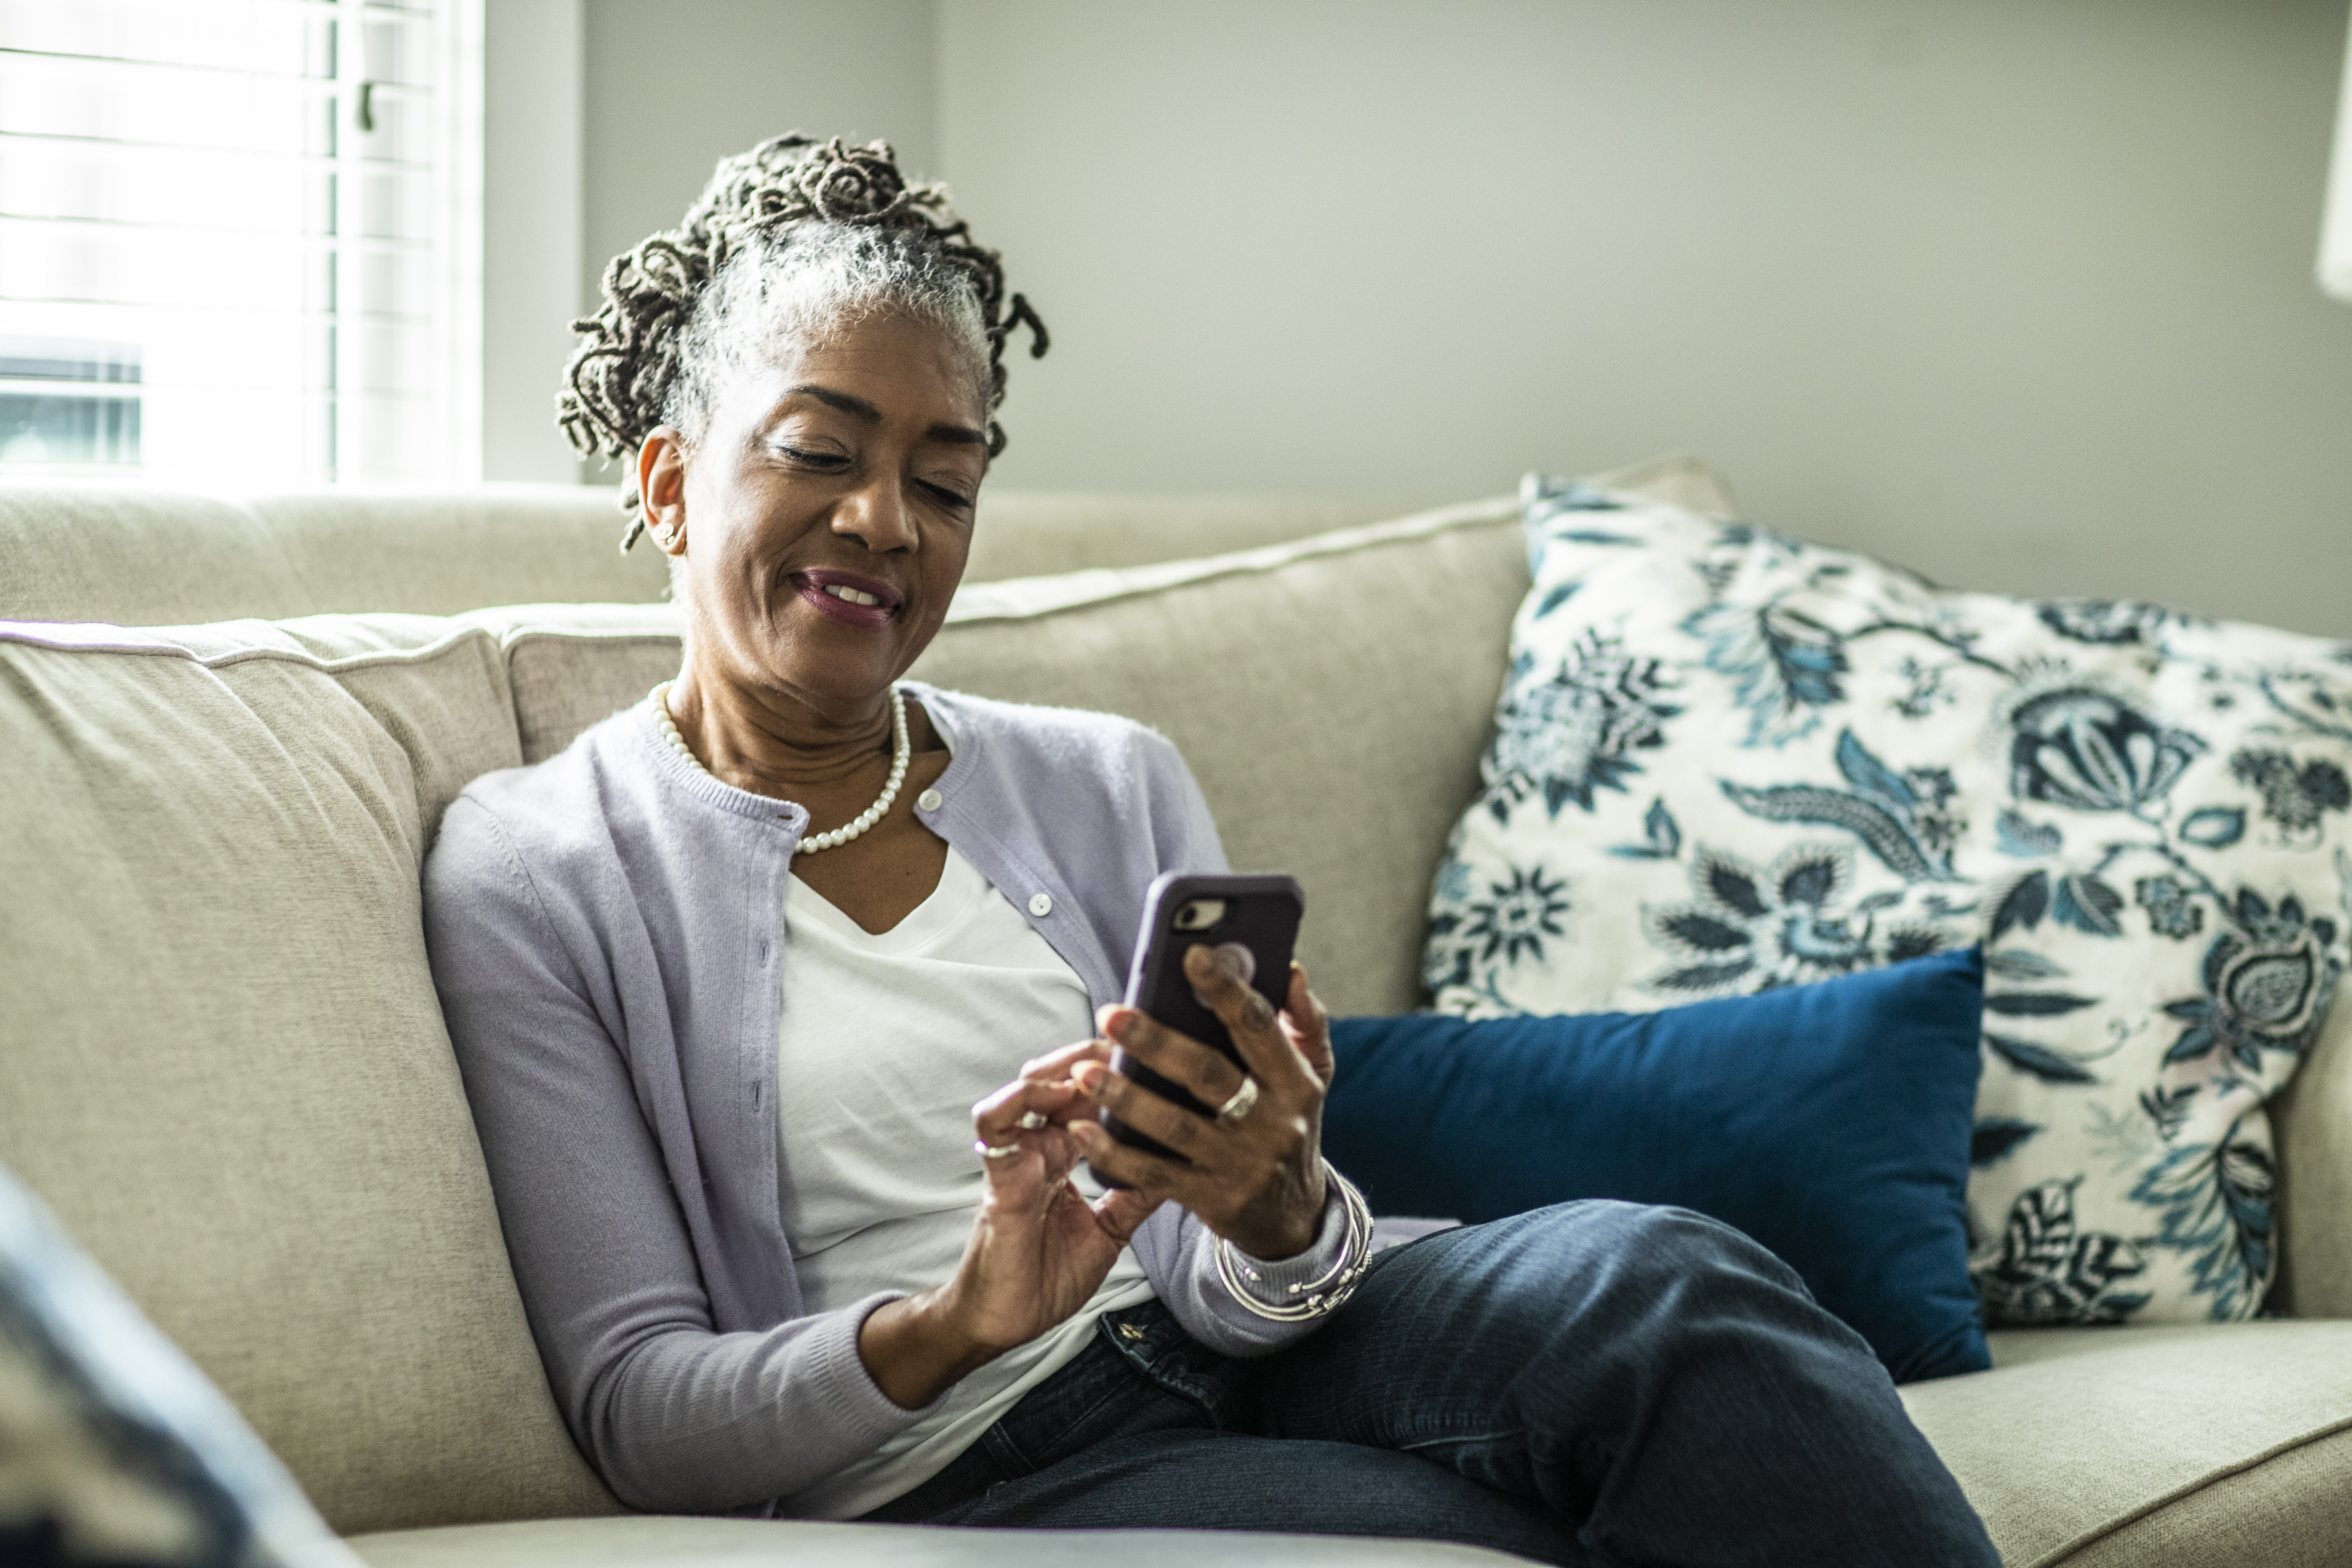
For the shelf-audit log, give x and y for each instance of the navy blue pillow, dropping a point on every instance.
(1829, 1121)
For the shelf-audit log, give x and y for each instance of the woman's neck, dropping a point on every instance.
(786, 747)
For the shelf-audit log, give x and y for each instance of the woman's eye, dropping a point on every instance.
(813, 459)
(948, 496)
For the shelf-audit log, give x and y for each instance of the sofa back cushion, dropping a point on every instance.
(1332, 697)
(139, 556)
(1331, 694)
(436, 553)
(223, 1064)
(142, 556)
(1036, 533)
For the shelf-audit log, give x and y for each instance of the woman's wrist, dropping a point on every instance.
(917, 1347)
(1313, 1282)
(1294, 1229)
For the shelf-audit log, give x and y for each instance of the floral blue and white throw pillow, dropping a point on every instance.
(1728, 760)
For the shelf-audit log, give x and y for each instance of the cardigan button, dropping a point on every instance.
(929, 800)
(1040, 904)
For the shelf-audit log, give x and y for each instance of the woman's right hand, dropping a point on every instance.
(1038, 1249)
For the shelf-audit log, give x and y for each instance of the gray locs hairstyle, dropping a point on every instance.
(796, 237)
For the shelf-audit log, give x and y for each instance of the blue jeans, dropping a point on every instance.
(1595, 1384)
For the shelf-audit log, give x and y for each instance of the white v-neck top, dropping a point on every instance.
(885, 1043)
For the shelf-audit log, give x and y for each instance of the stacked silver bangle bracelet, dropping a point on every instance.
(1313, 1297)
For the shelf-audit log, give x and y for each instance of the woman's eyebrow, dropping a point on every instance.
(856, 406)
(866, 412)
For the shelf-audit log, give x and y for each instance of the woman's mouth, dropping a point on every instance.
(848, 598)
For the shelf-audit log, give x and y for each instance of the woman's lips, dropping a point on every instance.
(846, 597)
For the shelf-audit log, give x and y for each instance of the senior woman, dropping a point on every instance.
(784, 1001)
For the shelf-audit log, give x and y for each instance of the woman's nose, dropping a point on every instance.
(878, 517)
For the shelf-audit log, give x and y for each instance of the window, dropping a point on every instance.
(240, 239)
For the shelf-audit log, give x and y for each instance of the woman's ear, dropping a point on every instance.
(661, 489)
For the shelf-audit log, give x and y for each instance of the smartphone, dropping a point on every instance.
(1255, 913)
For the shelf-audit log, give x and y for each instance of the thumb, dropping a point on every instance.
(1121, 1212)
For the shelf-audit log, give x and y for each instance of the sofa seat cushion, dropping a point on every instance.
(2224, 1445)
(223, 1064)
(679, 1542)
(2221, 1445)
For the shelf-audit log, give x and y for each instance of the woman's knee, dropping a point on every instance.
(1656, 1243)
(1573, 1276)
(1572, 1249)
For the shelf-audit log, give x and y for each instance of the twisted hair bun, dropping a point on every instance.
(632, 361)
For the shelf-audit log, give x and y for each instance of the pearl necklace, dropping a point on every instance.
(900, 753)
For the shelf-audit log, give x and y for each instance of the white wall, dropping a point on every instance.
(2017, 292)
(672, 88)
(605, 118)
(531, 232)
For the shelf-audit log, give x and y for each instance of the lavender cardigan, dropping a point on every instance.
(604, 931)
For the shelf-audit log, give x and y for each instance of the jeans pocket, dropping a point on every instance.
(1150, 1340)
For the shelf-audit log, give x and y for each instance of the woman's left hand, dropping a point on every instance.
(1257, 1181)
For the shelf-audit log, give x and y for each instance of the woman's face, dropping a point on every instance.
(824, 518)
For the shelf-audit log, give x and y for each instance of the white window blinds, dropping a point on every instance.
(240, 239)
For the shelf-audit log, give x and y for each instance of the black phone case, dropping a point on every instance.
(1263, 912)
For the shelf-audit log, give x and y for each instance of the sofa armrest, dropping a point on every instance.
(2313, 1126)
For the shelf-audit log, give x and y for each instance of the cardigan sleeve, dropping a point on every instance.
(676, 1416)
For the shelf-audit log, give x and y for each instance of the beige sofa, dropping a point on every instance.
(223, 1067)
